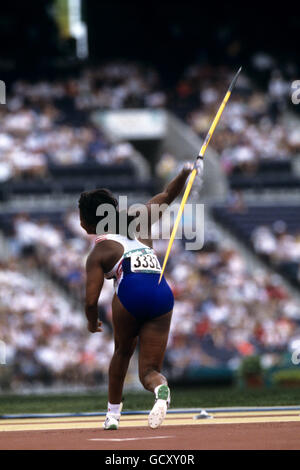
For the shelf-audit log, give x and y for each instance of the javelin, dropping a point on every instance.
(194, 172)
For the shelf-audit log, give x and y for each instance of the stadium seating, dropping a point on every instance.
(268, 176)
(245, 222)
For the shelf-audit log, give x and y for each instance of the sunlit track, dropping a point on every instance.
(140, 420)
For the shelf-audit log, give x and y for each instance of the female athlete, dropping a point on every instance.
(141, 308)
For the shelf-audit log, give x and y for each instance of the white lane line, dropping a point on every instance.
(129, 438)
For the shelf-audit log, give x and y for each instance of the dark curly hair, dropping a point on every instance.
(89, 202)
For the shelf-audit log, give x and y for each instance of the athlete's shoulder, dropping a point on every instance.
(106, 248)
(103, 246)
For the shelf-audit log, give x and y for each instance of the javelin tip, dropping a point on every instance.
(234, 79)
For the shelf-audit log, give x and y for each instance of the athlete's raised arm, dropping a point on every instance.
(173, 189)
(94, 283)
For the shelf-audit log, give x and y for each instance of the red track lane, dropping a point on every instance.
(263, 436)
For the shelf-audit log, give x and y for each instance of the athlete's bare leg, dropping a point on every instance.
(153, 338)
(125, 335)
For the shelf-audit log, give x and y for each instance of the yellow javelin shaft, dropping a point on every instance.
(194, 172)
(185, 196)
(214, 124)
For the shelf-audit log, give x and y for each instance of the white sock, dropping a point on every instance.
(114, 409)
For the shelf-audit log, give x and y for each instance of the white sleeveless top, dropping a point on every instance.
(143, 258)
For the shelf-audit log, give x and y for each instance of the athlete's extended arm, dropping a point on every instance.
(167, 196)
(173, 189)
(94, 283)
(159, 203)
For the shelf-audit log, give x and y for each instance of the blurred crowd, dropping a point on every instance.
(222, 312)
(48, 123)
(60, 248)
(47, 342)
(118, 85)
(114, 85)
(278, 246)
(31, 140)
(252, 128)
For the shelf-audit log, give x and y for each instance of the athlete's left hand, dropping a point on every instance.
(95, 327)
(198, 165)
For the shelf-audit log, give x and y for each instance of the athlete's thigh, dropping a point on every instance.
(125, 326)
(153, 339)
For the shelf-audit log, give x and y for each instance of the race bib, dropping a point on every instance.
(144, 263)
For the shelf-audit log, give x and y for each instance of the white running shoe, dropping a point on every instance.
(112, 420)
(159, 410)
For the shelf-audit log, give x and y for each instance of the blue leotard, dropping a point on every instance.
(136, 277)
